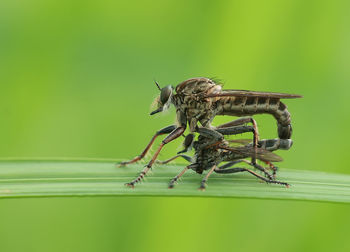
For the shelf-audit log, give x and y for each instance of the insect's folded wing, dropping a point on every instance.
(247, 93)
(259, 153)
(240, 141)
(266, 155)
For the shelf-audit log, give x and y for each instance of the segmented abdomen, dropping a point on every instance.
(274, 144)
(245, 106)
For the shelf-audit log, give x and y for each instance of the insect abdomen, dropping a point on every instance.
(275, 144)
(244, 106)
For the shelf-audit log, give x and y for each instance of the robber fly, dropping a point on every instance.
(209, 153)
(201, 99)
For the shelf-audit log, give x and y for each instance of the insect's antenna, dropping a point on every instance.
(157, 85)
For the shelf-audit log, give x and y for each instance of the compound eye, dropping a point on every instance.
(165, 94)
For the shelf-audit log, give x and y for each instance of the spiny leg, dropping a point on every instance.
(139, 178)
(242, 129)
(268, 180)
(262, 169)
(187, 158)
(163, 131)
(235, 130)
(173, 135)
(234, 170)
(237, 122)
(176, 178)
(255, 165)
(242, 121)
(229, 164)
(202, 187)
(273, 168)
(232, 126)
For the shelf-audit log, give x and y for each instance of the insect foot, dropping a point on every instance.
(122, 164)
(279, 182)
(131, 185)
(202, 187)
(172, 183)
(269, 176)
(262, 169)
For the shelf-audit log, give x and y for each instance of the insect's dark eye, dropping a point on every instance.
(165, 94)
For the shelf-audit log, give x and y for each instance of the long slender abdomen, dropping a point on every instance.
(247, 106)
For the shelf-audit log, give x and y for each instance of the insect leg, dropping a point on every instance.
(176, 178)
(268, 180)
(187, 158)
(273, 168)
(163, 131)
(217, 134)
(255, 165)
(241, 121)
(242, 129)
(202, 187)
(235, 130)
(237, 122)
(272, 145)
(234, 170)
(172, 136)
(229, 164)
(262, 169)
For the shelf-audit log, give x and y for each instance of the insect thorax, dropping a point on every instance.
(208, 156)
(189, 99)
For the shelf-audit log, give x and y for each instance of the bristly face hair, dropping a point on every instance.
(155, 103)
(217, 80)
(164, 99)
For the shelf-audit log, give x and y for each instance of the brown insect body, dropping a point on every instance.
(201, 99)
(189, 99)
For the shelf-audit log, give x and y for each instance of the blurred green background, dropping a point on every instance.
(77, 81)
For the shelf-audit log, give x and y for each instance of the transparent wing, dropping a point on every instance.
(240, 141)
(260, 154)
(236, 92)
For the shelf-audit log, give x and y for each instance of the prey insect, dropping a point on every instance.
(210, 152)
(199, 100)
(209, 159)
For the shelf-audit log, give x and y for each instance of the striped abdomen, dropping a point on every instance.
(274, 144)
(245, 106)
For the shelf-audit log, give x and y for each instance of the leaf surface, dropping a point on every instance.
(93, 177)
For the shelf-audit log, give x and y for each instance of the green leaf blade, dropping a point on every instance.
(59, 178)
